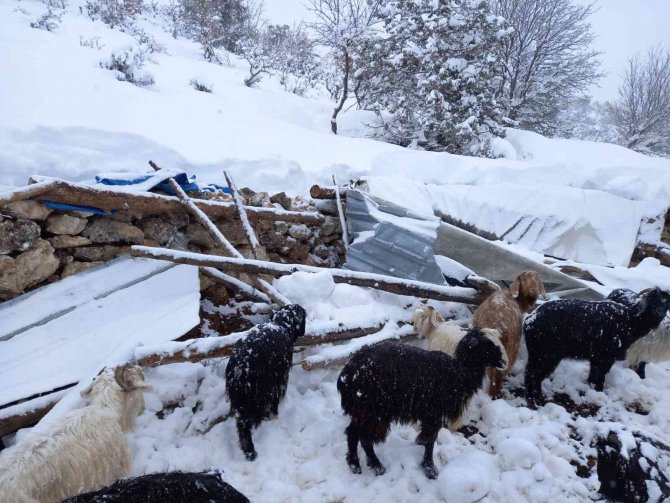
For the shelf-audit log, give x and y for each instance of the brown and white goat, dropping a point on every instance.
(84, 451)
(504, 311)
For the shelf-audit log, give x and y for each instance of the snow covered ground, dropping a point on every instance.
(63, 115)
(512, 453)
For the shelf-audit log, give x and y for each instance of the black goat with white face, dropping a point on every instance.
(600, 332)
(258, 370)
(401, 383)
(653, 347)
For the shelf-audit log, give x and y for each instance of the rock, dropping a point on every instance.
(233, 232)
(150, 242)
(300, 232)
(179, 220)
(330, 226)
(199, 235)
(17, 235)
(66, 241)
(98, 253)
(31, 210)
(10, 283)
(280, 227)
(299, 253)
(218, 294)
(61, 223)
(259, 199)
(322, 251)
(112, 231)
(272, 240)
(180, 242)
(158, 229)
(290, 242)
(81, 214)
(37, 264)
(75, 267)
(282, 199)
(326, 206)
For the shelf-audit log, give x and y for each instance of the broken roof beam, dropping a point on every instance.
(195, 350)
(378, 281)
(108, 199)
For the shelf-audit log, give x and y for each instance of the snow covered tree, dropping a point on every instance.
(642, 111)
(433, 74)
(114, 12)
(341, 27)
(220, 24)
(283, 51)
(548, 59)
(585, 119)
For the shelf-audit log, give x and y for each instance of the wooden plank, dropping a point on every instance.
(381, 282)
(107, 199)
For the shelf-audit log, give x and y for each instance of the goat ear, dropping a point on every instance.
(514, 289)
(434, 318)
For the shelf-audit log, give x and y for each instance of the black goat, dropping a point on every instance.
(600, 332)
(173, 487)
(258, 370)
(402, 383)
(638, 474)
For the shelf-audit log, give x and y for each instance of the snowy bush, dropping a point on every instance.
(200, 86)
(114, 12)
(217, 24)
(48, 21)
(432, 75)
(128, 66)
(92, 43)
(282, 51)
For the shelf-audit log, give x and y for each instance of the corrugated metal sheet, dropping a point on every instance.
(390, 249)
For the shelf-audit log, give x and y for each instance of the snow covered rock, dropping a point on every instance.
(468, 477)
(516, 453)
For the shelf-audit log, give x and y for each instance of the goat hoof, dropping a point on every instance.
(251, 455)
(430, 470)
(355, 469)
(378, 469)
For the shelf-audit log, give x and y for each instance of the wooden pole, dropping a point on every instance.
(340, 212)
(242, 213)
(381, 282)
(219, 238)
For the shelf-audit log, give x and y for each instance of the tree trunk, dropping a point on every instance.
(345, 92)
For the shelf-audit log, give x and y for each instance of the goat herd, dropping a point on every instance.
(379, 385)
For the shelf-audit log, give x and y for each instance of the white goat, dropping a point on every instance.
(443, 335)
(84, 451)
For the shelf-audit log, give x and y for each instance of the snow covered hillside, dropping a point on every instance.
(62, 114)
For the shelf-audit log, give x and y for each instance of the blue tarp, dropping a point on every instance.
(126, 179)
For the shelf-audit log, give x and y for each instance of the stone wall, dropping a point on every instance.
(39, 245)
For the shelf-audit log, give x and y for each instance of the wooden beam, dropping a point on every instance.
(319, 192)
(29, 412)
(28, 192)
(108, 199)
(340, 212)
(242, 214)
(378, 281)
(195, 350)
(219, 238)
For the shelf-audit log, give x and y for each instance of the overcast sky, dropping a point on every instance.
(623, 27)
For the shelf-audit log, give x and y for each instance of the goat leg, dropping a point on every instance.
(352, 448)
(598, 372)
(641, 370)
(373, 460)
(427, 438)
(246, 443)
